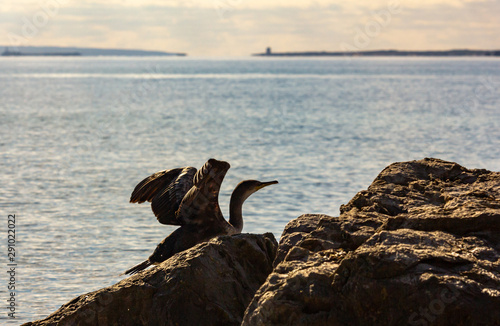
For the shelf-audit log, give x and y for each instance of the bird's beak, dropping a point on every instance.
(265, 184)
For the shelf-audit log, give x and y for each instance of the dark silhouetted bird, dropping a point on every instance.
(190, 198)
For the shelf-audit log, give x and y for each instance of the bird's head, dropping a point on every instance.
(242, 191)
(245, 188)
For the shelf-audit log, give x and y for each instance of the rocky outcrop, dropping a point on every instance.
(210, 284)
(420, 246)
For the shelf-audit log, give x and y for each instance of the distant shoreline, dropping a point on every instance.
(7, 53)
(76, 51)
(448, 53)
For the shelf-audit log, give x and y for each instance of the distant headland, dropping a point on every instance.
(74, 51)
(446, 53)
(9, 53)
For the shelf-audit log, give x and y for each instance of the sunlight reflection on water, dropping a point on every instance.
(77, 138)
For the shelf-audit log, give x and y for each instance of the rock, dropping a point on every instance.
(209, 284)
(420, 246)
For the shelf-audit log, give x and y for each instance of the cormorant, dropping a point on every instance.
(190, 198)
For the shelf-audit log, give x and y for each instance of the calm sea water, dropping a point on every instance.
(77, 134)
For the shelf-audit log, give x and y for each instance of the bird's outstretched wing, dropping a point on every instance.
(165, 190)
(201, 203)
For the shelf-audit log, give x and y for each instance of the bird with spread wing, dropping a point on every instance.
(190, 198)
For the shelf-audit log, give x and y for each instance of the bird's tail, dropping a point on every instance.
(137, 268)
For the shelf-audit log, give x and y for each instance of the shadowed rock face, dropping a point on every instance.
(210, 284)
(420, 246)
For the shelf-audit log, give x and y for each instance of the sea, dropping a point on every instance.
(78, 133)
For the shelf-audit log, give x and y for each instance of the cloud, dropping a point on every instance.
(27, 5)
(241, 27)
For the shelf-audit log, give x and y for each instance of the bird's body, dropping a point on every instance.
(190, 198)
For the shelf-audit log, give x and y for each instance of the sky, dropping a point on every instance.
(243, 27)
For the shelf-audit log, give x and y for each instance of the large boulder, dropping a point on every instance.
(420, 246)
(209, 284)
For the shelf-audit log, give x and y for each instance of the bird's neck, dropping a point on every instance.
(235, 212)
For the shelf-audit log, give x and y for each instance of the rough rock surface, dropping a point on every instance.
(210, 284)
(421, 246)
